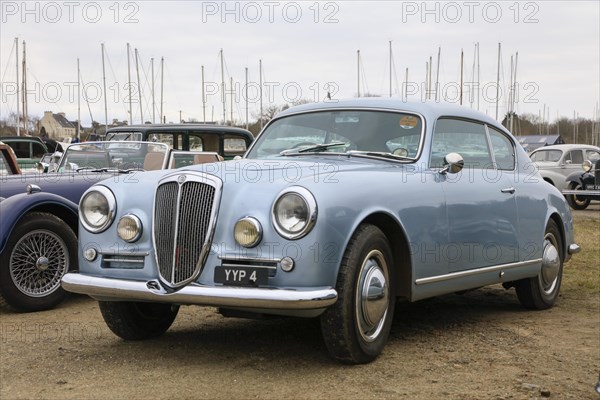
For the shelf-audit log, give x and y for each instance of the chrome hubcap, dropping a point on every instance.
(372, 296)
(550, 264)
(38, 262)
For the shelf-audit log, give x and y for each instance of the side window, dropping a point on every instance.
(204, 141)
(504, 151)
(469, 139)
(233, 146)
(574, 157)
(592, 155)
(38, 150)
(173, 140)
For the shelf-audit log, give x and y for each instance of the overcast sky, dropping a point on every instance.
(307, 49)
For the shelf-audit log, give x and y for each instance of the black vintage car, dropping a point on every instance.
(583, 187)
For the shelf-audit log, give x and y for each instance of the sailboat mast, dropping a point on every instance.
(437, 74)
(406, 85)
(153, 100)
(25, 111)
(78, 102)
(472, 94)
(261, 92)
(203, 98)
(231, 108)
(246, 98)
(129, 83)
(18, 122)
(514, 96)
(105, 101)
(462, 59)
(498, 80)
(430, 73)
(478, 76)
(139, 84)
(390, 68)
(358, 71)
(223, 96)
(162, 70)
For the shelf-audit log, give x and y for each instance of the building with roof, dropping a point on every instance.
(56, 126)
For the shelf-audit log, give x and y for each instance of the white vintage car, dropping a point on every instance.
(557, 162)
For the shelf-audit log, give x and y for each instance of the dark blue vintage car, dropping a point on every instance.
(38, 234)
(583, 187)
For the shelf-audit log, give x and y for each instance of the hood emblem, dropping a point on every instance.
(181, 179)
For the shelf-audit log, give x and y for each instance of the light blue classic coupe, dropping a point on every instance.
(336, 210)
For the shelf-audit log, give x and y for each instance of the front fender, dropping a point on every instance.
(13, 208)
(580, 178)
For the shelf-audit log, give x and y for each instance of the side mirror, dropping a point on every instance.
(453, 163)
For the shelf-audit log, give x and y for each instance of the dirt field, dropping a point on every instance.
(480, 345)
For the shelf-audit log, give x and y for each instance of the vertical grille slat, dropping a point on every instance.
(182, 228)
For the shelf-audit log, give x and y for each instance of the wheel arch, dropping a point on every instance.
(561, 229)
(399, 244)
(15, 208)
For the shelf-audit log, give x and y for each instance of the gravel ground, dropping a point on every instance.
(479, 345)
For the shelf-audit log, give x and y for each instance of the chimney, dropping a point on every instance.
(62, 114)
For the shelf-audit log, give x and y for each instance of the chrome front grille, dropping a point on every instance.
(184, 215)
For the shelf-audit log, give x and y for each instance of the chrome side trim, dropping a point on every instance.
(123, 260)
(218, 296)
(582, 192)
(574, 248)
(234, 259)
(476, 271)
(124, 253)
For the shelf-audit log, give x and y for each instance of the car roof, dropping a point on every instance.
(566, 147)
(182, 127)
(431, 110)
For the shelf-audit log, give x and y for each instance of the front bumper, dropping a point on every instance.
(218, 296)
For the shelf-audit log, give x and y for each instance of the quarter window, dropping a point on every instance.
(504, 151)
(574, 157)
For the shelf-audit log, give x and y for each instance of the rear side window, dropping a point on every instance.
(504, 151)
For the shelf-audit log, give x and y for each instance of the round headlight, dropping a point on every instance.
(129, 228)
(294, 212)
(247, 232)
(586, 166)
(97, 209)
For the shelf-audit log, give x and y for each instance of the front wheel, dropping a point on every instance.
(541, 292)
(577, 202)
(355, 329)
(39, 251)
(138, 321)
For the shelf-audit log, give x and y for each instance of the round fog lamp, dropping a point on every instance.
(247, 232)
(90, 254)
(287, 264)
(129, 228)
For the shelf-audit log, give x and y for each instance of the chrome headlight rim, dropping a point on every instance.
(112, 209)
(257, 226)
(138, 227)
(311, 205)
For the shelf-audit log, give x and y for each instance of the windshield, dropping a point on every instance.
(375, 133)
(114, 156)
(124, 136)
(546, 155)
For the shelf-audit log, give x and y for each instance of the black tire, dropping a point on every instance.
(39, 251)
(541, 292)
(138, 321)
(577, 202)
(355, 330)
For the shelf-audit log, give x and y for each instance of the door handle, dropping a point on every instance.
(510, 190)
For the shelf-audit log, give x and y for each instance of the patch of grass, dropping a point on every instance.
(582, 272)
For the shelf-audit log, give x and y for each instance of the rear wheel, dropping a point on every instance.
(39, 251)
(137, 321)
(355, 329)
(577, 202)
(541, 292)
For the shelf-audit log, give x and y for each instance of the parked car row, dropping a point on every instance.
(561, 166)
(335, 211)
(38, 234)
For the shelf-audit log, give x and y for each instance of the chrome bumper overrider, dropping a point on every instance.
(218, 296)
(574, 248)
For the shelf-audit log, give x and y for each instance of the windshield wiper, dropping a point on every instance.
(106, 169)
(380, 154)
(314, 148)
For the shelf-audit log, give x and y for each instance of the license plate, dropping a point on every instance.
(592, 187)
(241, 276)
